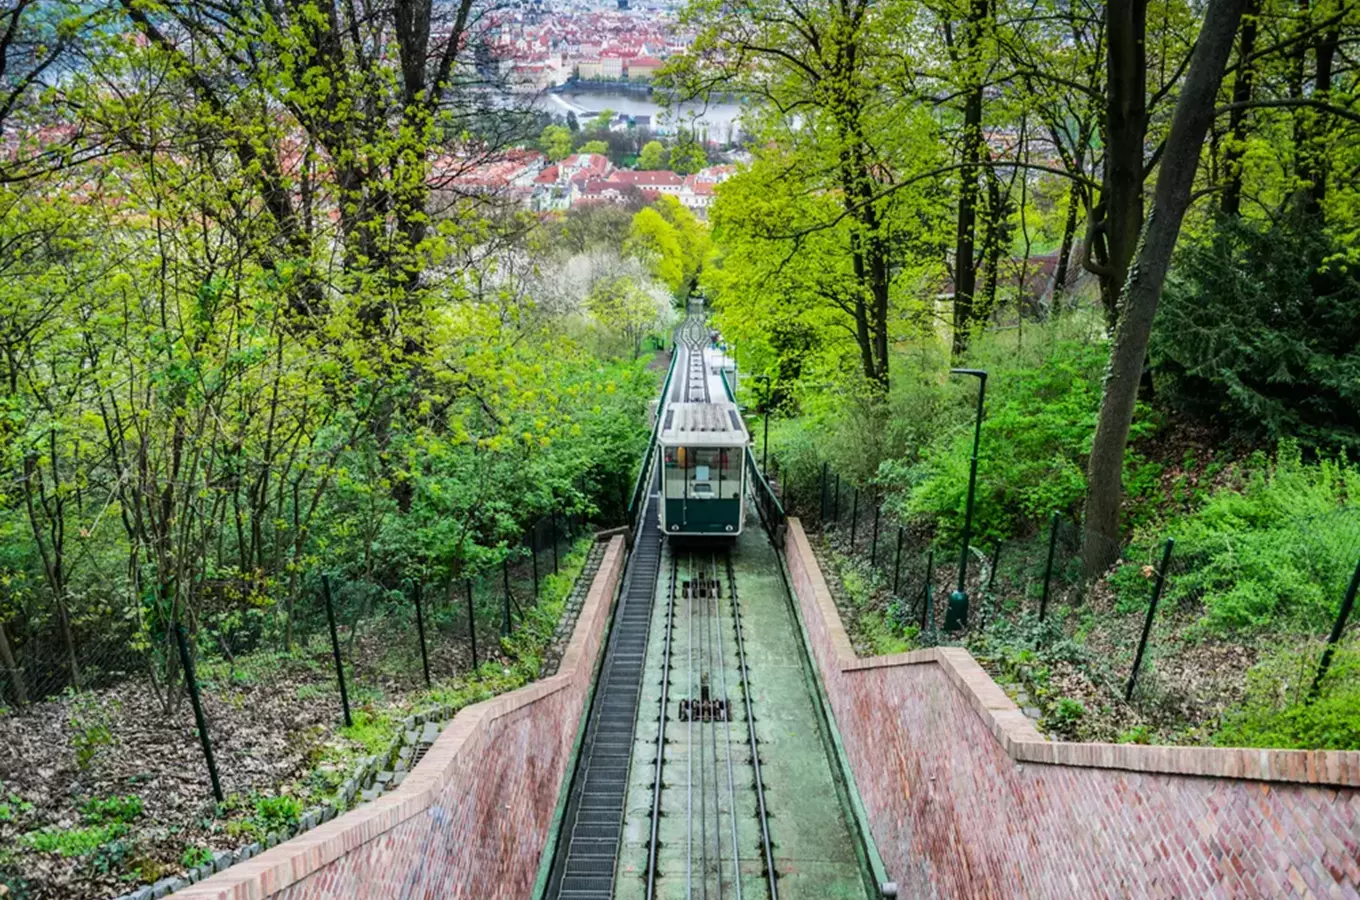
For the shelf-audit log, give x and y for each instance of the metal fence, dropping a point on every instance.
(1038, 577)
(46, 654)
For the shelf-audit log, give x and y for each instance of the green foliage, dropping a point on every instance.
(555, 142)
(653, 156)
(196, 856)
(90, 728)
(112, 809)
(1274, 548)
(1038, 423)
(687, 156)
(1065, 715)
(1278, 711)
(73, 841)
(594, 147)
(277, 813)
(1259, 328)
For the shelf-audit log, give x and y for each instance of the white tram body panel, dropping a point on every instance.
(702, 445)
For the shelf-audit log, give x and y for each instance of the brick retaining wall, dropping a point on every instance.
(472, 819)
(966, 799)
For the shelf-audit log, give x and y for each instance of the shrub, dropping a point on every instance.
(1258, 327)
(1278, 711)
(1275, 550)
(1038, 424)
(277, 813)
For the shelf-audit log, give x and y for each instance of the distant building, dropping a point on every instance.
(644, 68)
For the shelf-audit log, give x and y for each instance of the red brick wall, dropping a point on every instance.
(472, 819)
(966, 799)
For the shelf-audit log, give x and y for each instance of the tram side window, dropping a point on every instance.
(674, 480)
(731, 473)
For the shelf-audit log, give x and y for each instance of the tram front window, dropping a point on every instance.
(704, 474)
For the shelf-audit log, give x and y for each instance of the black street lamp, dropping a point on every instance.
(956, 617)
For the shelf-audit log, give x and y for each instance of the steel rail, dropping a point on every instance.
(689, 751)
(751, 731)
(731, 779)
(710, 614)
(661, 733)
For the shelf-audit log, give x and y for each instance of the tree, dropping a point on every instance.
(687, 156)
(572, 123)
(1141, 291)
(594, 147)
(653, 240)
(623, 304)
(653, 156)
(555, 142)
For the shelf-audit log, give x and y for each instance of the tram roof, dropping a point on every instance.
(703, 425)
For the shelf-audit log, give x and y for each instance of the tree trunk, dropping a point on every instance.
(1237, 119)
(1125, 134)
(1138, 304)
(965, 232)
(1313, 147)
(16, 678)
(1060, 274)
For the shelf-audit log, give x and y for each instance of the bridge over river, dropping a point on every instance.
(711, 733)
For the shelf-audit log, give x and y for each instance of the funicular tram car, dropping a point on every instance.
(703, 444)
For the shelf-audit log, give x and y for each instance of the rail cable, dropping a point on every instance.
(751, 731)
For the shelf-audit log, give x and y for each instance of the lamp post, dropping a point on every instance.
(956, 617)
(765, 441)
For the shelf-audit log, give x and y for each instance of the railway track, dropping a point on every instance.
(706, 744)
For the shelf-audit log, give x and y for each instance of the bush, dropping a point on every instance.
(1258, 328)
(1040, 417)
(1275, 549)
(1278, 711)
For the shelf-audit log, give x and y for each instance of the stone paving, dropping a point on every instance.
(812, 843)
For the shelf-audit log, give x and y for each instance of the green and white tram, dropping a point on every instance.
(702, 442)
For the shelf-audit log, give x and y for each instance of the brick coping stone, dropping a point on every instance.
(1023, 742)
(293, 860)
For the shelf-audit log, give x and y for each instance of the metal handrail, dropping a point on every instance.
(771, 511)
(635, 504)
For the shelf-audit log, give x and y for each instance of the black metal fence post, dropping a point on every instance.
(1337, 628)
(506, 625)
(554, 540)
(420, 629)
(335, 647)
(996, 562)
(1048, 567)
(191, 682)
(472, 621)
(836, 505)
(927, 613)
(823, 515)
(897, 563)
(873, 549)
(854, 519)
(533, 553)
(1147, 623)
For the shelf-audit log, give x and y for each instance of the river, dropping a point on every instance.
(718, 117)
